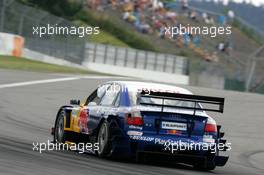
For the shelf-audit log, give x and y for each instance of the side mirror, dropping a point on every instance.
(92, 103)
(75, 102)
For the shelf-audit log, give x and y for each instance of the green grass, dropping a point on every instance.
(10, 62)
(107, 38)
(249, 32)
(102, 38)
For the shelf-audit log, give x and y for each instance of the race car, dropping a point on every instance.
(142, 120)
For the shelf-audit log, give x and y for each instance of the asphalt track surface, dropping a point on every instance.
(27, 112)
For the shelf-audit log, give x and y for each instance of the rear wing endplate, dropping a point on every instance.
(217, 101)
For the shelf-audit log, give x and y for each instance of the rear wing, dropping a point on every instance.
(218, 102)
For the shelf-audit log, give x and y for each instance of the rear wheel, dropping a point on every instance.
(103, 139)
(59, 134)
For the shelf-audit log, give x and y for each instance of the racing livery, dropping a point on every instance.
(142, 120)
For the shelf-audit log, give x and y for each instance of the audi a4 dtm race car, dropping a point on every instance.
(142, 120)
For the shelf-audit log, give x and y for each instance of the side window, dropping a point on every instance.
(110, 95)
(91, 97)
(97, 95)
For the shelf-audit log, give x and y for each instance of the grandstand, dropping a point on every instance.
(149, 19)
(144, 21)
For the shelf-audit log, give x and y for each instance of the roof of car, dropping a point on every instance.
(135, 85)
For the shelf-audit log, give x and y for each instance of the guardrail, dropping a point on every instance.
(133, 58)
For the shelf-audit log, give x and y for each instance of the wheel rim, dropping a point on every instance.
(102, 138)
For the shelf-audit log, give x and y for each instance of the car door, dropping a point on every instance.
(92, 106)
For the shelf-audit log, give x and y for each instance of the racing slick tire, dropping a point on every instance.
(103, 138)
(59, 133)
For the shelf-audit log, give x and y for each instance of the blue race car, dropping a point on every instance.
(145, 120)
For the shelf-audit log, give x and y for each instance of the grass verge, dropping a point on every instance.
(10, 62)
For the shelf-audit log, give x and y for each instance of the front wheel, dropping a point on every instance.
(59, 134)
(103, 139)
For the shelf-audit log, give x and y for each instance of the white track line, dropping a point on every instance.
(27, 83)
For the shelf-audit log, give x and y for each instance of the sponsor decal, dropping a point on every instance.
(174, 126)
(83, 120)
(142, 138)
